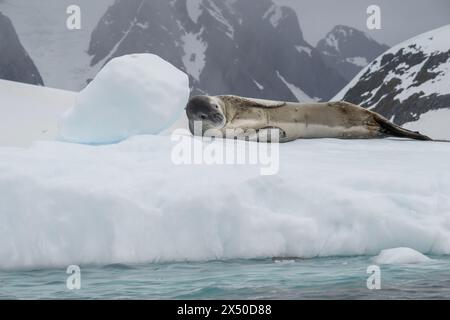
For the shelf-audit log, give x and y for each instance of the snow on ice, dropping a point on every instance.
(29, 113)
(434, 123)
(65, 203)
(400, 256)
(129, 203)
(132, 94)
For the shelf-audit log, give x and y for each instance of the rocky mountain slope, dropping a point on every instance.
(15, 63)
(250, 48)
(408, 80)
(349, 50)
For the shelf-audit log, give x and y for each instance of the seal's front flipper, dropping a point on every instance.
(269, 134)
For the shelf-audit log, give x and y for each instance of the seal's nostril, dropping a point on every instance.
(203, 117)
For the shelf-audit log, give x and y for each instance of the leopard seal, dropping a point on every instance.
(292, 120)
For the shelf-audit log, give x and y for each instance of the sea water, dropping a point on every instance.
(318, 278)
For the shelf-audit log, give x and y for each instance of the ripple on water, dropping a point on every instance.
(321, 278)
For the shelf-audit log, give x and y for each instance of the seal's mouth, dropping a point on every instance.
(204, 111)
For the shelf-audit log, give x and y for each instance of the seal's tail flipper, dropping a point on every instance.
(394, 130)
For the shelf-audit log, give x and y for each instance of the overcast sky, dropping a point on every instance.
(401, 19)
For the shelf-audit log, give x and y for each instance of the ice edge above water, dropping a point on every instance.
(65, 204)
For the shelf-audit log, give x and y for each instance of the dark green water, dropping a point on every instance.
(321, 278)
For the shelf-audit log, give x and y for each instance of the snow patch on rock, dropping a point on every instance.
(358, 61)
(296, 91)
(274, 14)
(304, 49)
(218, 15)
(194, 58)
(259, 85)
(194, 9)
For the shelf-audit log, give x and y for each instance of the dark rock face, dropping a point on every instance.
(243, 47)
(408, 80)
(15, 64)
(349, 50)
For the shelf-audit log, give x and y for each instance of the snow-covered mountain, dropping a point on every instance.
(349, 50)
(250, 48)
(15, 63)
(407, 81)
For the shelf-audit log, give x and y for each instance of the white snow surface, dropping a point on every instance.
(29, 113)
(63, 203)
(132, 94)
(400, 256)
(434, 123)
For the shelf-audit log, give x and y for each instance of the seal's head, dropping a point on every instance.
(207, 111)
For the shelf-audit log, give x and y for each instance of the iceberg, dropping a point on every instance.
(133, 94)
(64, 203)
(400, 256)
